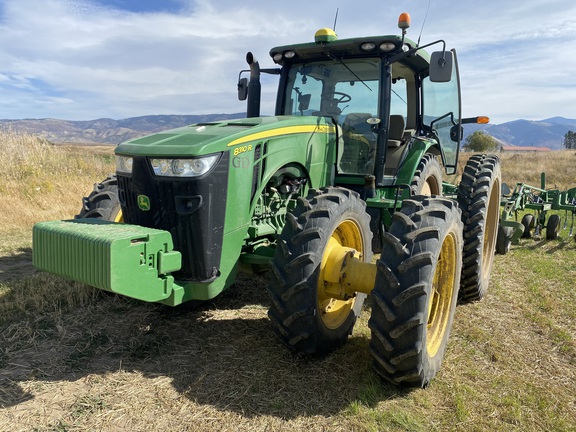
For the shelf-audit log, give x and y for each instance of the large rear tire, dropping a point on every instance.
(427, 179)
(479, 199)
(103, 202)
(416, 291)
(304, 315)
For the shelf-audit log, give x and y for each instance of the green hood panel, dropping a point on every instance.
(207, 138)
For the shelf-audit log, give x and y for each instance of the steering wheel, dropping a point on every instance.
(344, 97)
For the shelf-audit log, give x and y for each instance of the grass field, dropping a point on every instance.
(73, 358)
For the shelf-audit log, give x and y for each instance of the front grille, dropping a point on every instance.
(191, 209)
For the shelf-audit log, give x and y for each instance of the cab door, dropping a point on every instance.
(442, 110)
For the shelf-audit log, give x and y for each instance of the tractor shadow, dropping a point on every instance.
(222, 354)
(16, 265)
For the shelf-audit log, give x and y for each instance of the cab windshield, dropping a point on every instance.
(349, 94)
(333, 89)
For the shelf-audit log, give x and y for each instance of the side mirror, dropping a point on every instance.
(441, 64)
(242, 89)
(456, 133)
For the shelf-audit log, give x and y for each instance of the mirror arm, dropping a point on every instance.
(411, 51)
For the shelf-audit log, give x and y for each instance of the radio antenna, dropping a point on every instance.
(335, 20)
(424, 22)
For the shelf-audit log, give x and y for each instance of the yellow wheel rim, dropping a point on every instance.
(346, 238)
(430, 187)
(491, 228)
(119, 217)
(441, 296)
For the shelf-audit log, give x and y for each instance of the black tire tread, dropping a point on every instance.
(103, 202)
(428, 167)
(404, 279)
(294, 274)
(478, 178)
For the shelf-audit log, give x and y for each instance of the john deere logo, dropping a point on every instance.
(143, 202)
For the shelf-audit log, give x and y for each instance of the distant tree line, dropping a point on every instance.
(570, 141)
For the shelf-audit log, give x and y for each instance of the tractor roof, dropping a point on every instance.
(327, 45)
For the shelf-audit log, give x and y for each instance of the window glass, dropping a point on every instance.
(333, 89)
(398, 98)
(441, 103)
(349, 94)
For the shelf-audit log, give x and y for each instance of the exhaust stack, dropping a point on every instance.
(254, 87)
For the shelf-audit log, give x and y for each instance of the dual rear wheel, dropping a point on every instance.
(427, 251)
(415, 290)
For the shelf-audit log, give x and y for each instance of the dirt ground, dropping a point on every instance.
(116, 364)
(119, 364)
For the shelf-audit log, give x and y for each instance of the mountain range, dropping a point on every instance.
(525, 133)
(528, 133)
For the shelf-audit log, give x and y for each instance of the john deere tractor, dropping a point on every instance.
(350, 165)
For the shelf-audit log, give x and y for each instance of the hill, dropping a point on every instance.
(529, 133)
(106, 130)
(544, 133)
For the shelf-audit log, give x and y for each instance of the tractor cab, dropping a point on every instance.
(380, 92)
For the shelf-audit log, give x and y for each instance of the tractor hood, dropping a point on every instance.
(207, 138)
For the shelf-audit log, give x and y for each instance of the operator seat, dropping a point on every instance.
(396, 141)
(396, 132)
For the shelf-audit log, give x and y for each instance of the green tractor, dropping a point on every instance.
(349, 166)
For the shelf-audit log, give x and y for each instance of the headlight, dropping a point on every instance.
(183, 167)
(124, 164)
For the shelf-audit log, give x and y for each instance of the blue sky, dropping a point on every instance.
(87, 59)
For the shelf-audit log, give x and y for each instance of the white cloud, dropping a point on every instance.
(82, 59)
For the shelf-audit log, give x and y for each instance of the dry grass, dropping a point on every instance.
(41, 181)
(73, 358)
(559, 166)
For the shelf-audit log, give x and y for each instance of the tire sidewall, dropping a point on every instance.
(553, 227)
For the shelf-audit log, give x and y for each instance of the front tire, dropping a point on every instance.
(479, 199)
(103, 202)
(416, 291)
(304, 315)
